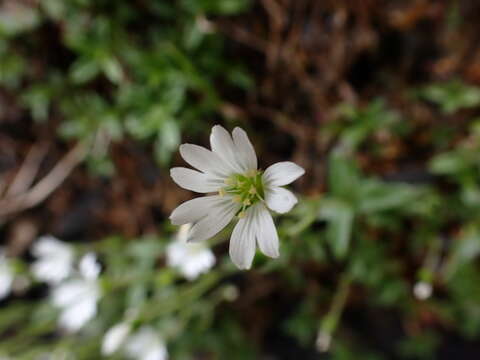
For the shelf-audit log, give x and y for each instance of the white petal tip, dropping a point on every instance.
(238, 129)
(184, 147)
(274, 254)
(174, 221)
(243, 266)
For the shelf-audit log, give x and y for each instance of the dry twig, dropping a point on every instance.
(15, 202)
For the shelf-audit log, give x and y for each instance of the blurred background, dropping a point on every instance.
(378, 100)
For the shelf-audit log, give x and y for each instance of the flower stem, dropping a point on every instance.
(329, 323)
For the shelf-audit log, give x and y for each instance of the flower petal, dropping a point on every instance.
(242, 242)
(245, 151)
(89, 267)
(194, 180)
(50, 246)
(68, 292)
(218, 217)
(115, 337)
(267, 236)
(146, 344)
(74, 317)
(199, 263)
(205, 160)
(279, 199)
(282, 173)
(6, 278)
(193, 210)
(222, 144)
(54, 260)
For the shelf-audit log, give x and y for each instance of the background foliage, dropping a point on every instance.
(377, 100)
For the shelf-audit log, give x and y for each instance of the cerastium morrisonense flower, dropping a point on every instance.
(242, 190)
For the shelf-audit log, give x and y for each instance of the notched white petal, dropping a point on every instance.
(242, 242)
(193, 210)
(267, 236)
(282, 173)
(222, 144)
(245, 151)
(204, 160)
(193, 180)
(280, 200)
(219, 216)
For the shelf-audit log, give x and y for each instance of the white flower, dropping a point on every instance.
(77, 297)
(230, 170)
(115, 337)
(191, 259)
(323, 341)
(422, 290)
(6, 276)
(146, 344)
(54, 260)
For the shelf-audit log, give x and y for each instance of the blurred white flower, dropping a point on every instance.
(323, 341)
(89, 267)
(54, 260)
(422, 290)
(115, 337)
(59, 354)
(191, 259)
(77, 297)
(230, 169)
(146, 344)
(6, 276)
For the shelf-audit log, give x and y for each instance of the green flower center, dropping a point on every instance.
(246, 189)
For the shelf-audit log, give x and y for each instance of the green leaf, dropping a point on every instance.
(84, 70)
(167, 141)
(375, 196)
(365, 121)
(113, 70)
(465, 249)
(451, 96)
(343, 177)
(223, 7)
(449, 163)
(340, 217)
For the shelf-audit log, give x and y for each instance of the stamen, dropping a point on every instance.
(244, 189)
(241, 214)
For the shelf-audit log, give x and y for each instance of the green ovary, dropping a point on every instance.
(246, 189)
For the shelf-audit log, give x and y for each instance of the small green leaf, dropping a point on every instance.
(340, 217)
(375, 196)
(343, 177)
(83, 71)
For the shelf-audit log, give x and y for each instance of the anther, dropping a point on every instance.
(222, 192)
(237, 199)
(241, 214)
